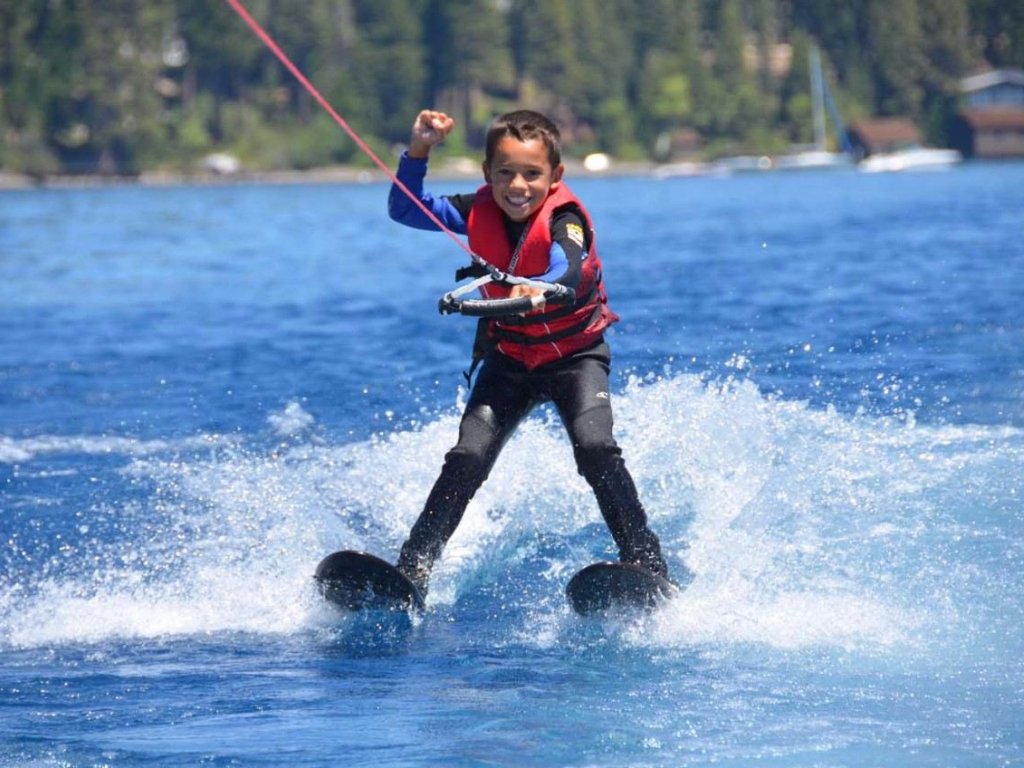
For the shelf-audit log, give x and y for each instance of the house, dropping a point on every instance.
(882, 136)
(989, 133)
(991, 124)
(995, 89)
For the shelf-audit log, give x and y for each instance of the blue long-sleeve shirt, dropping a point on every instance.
(566, 254)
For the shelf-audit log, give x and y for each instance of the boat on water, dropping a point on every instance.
(886, 145)
(910, 159)
(818, 155)
(882, 145)
(811, 159)
(687, 169)
(801, 157)
(891, 144)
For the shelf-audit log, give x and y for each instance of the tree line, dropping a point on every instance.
(121, 86)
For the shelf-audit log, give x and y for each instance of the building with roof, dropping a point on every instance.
(991, 124)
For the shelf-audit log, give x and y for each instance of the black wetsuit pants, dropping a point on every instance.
(504, 393)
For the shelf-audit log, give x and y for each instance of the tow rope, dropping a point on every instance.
(451, 302)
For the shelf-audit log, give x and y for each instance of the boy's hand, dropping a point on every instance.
(429, 129)
(518, 291)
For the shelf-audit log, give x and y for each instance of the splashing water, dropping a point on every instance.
(802, 527)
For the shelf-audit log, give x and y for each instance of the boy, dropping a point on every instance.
(525, 222)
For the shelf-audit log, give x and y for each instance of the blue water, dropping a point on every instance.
(819, 388)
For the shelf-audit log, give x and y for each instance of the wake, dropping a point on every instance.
(802, 527)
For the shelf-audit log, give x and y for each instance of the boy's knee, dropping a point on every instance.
(471, 467)
(472, 457)
(597, 461)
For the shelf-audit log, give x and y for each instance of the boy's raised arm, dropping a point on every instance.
(429, 129)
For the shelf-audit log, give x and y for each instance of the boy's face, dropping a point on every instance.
(520, 175)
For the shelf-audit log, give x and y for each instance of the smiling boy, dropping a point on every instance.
(525, 221)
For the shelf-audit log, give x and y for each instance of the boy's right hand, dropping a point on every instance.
(429, 129)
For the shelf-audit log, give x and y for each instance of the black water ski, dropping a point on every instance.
(604, 586)
(357, 580)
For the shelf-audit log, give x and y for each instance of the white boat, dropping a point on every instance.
(910, 159)
(816, 155)
(811, 158)
(743, 163)
(688, 169)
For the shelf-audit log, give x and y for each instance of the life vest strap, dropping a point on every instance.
(499, 333)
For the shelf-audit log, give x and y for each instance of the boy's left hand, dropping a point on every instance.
(519, 291)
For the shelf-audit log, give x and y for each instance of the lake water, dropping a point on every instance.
(818, 386)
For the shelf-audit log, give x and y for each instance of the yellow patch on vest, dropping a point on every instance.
(575, 233)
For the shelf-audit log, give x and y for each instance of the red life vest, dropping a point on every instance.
(556, 330)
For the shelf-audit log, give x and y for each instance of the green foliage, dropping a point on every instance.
(118, 86)
(317, 143)
(997, 28)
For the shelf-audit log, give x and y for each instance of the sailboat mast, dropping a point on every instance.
(817, 97)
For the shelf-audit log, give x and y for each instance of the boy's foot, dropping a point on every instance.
(418, 575)
(654, 563)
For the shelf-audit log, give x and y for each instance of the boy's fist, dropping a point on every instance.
(430, 128)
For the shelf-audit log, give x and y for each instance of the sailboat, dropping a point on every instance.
(817, 155)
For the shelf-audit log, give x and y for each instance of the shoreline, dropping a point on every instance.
(455, 169)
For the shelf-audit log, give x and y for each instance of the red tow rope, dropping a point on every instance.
(283, 57)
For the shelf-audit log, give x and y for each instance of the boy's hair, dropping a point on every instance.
(525, 125)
